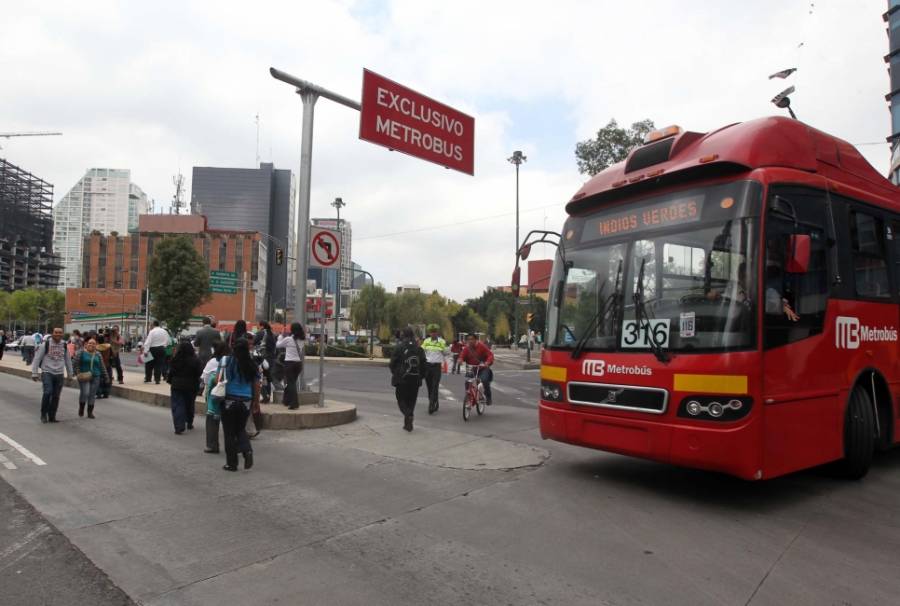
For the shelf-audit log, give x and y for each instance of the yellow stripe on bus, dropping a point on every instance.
(725, 384)
(554, 373)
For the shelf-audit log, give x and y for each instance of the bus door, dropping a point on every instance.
(801, 374)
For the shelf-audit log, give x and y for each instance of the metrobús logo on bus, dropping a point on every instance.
(599, 368)
(850, 333)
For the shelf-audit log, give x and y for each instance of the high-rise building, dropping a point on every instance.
(104, 200)
(26, 231)
(259, 200)
(892, 17)
(346, 243)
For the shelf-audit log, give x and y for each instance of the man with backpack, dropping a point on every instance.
(53, 360)
(407, 368)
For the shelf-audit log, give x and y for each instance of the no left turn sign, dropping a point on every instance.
(325, 248)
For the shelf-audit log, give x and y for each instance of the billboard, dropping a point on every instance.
(401, 119)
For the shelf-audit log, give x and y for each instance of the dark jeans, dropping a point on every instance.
(53, 385)
(212, 431)
(456, 363)
(115, 363)
(182, 407)
(291, 374)
(234, 426)
(156, 366)
(433, 381)
(28, 354)
(406, 398)
(486, 375)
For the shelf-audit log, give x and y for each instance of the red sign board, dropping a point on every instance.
(401, 119)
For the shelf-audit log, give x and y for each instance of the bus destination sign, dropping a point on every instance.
(661, 214)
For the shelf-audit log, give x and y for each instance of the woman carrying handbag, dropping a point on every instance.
(89, 371)
(241, 378)
(293, 345)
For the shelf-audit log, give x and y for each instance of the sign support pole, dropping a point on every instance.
(306, 142)
(323, 343)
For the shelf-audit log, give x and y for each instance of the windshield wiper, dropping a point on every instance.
(643, 318)
(611, 302)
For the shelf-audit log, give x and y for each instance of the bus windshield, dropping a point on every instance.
(673, 272)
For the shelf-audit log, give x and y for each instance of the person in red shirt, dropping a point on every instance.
(477, 353)
(455, 348)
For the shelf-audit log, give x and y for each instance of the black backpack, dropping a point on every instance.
(408, 371)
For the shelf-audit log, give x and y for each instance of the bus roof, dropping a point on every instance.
(775, 141)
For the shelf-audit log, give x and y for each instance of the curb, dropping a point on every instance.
(275, 416)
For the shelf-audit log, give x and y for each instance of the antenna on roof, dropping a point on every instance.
(783, 101)
(257, 141)
(178, 198)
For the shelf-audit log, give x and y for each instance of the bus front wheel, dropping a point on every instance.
(859, 435)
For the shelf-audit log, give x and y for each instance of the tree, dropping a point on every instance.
(439, 310)
(52, 307)
(467, 320)
(612, 144)
(25, 305)
(501, 329)
(179, 281)
(405, 309)
(368, 308)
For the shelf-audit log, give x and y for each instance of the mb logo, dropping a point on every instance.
(846, 334)
(594, 368)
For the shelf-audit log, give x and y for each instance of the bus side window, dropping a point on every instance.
(795, 303)
(870, 269)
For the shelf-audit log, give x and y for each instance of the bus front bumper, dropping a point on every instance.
(730, 449)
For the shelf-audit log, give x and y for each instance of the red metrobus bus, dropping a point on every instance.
(728, 301)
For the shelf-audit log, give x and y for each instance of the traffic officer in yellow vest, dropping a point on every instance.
(436, 352)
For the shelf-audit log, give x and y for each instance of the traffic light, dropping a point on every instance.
(279, 256)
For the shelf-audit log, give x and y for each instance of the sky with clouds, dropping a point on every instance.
(159, 87)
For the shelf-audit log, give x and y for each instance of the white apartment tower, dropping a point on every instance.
(103, 200)
(346, 247)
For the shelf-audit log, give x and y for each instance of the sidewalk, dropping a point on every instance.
(275, 416)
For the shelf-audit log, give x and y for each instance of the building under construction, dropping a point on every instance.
(26, 231)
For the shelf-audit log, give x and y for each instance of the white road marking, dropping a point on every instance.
(505, 389)
(447, 394)
(25, 452)
(7, 463)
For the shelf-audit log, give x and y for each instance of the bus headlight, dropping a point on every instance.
(551, 392)
(713, 408)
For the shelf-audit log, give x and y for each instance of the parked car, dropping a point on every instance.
(13, 345)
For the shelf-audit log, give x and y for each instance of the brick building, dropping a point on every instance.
(114, 276)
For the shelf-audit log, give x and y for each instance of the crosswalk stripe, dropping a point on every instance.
(7, 463)
(27, 453)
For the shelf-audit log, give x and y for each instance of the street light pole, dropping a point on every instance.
(371, 310)
(517, 158)
(338, 204)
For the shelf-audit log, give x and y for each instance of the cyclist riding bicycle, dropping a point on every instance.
(476, 353)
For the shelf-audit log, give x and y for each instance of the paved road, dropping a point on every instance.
(483, 512)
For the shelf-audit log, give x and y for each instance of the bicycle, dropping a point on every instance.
(475, 397)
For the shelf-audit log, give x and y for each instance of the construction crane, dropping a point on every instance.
(28, 134)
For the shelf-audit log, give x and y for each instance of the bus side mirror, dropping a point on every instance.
(798, 254)
(525, 251)
(516, 281)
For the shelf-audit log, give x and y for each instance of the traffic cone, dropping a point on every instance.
(444, 367)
